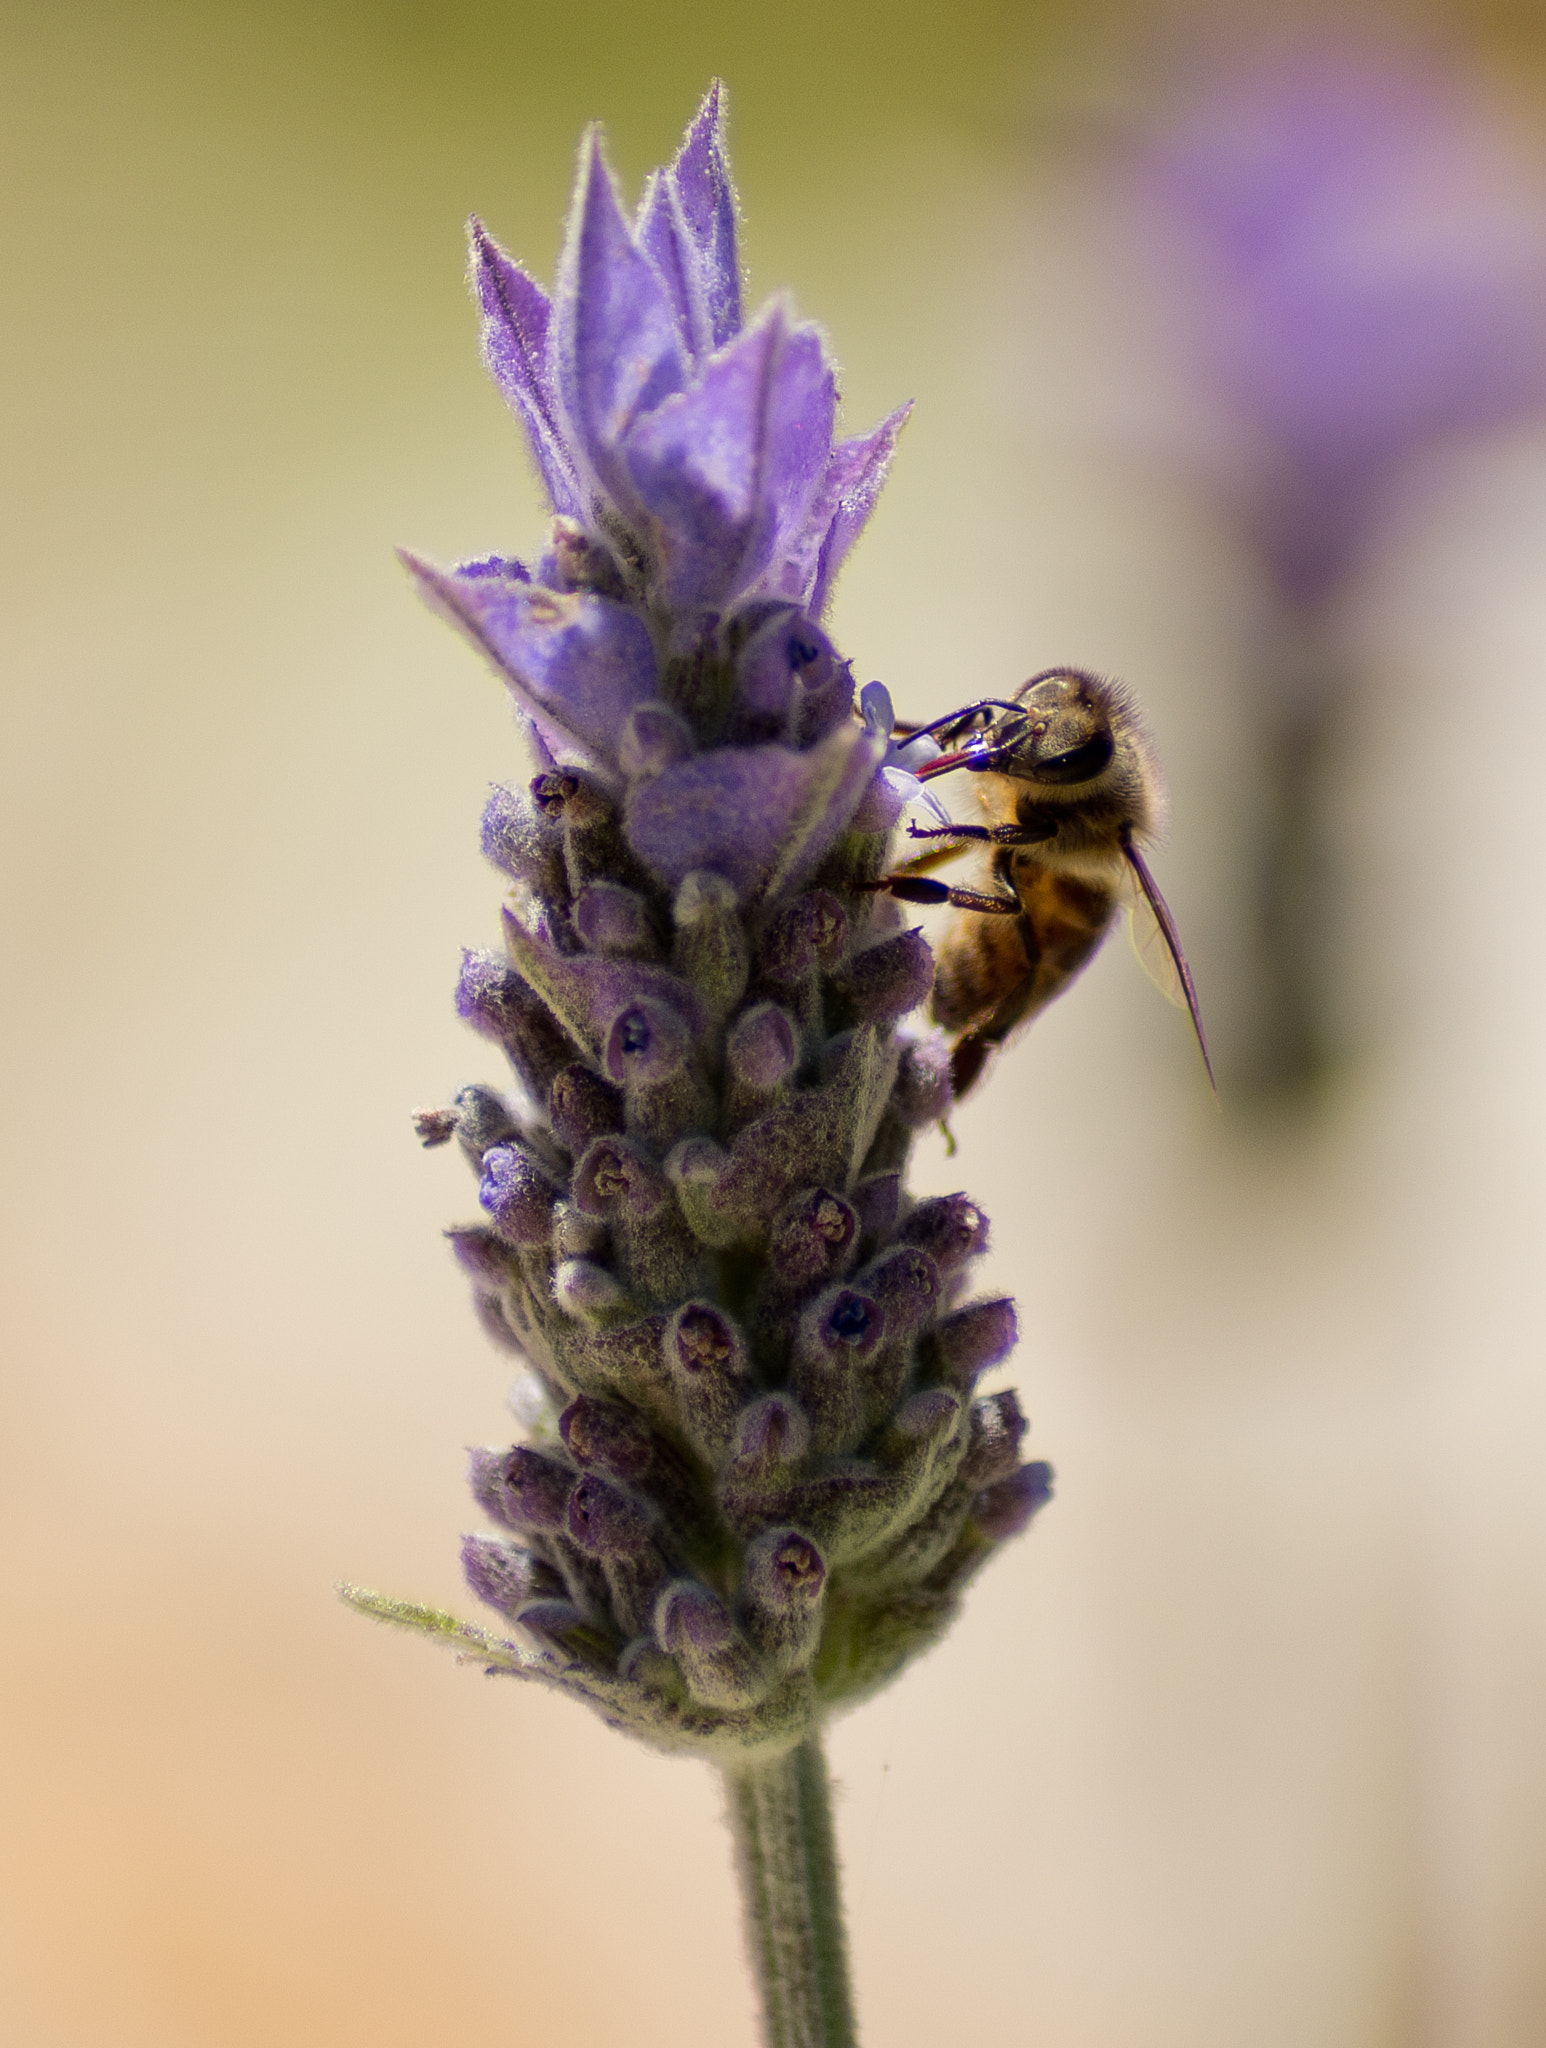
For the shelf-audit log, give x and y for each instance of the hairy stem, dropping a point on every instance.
(780, 1814)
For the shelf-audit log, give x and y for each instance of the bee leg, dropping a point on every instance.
(1032, 832)
(919, 889)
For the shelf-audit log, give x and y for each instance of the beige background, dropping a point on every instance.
(1243, 1745)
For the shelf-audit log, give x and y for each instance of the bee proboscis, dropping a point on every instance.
(1068, 778)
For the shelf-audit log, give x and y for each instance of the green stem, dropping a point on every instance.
(780, 1814)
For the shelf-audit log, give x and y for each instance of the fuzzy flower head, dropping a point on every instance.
(757, 1476)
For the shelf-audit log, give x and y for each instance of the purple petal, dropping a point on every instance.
(840, 509)
(516, 317)
(701, 176)
(756, 815)
(802, 409)
(662, 234)
(697, 465)
(617, 347)
(577, 664)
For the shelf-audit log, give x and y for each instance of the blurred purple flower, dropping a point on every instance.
(1379, 265)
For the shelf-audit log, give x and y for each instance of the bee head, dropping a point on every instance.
(1069, 736)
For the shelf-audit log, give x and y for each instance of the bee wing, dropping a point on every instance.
(1158, 946)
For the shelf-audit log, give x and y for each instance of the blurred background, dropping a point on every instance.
(1230, 361)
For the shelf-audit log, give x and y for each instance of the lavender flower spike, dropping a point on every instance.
(769, 1490)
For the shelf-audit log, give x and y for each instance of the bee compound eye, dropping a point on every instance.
(1079, 764)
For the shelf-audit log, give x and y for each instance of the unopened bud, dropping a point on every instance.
(922, 1094)
(518, 1196)
(613, 921)
(975, 1338)
(590, 1293)
(720, 1666)
(582, 1106)
(506, 1577)
(606, 1521)
(706, 1359)
(886, 981)
(607, 1437)
(993, 1449)
(1003, 1510)
(786, 1577)
(520, 1487)
(710, 947)
(950, 1229)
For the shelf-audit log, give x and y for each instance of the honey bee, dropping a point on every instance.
(1070, 784)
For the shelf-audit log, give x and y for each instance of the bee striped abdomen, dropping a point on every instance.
(994, 972)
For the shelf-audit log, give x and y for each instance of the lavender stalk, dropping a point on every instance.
(756, 1480)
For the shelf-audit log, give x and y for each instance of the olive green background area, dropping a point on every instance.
(1241, 1745)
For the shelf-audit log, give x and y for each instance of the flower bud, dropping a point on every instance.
(522, 841)
(706, 1359)
(720, 1667)
(495, 1001)
(517, 1195)
(836, 1335)
(906, 1283)
(590, 1293)
(710, 945)
(761, 1054)
(811, 1241)
(613, 921)
(483, 1119)
(975, 1338)
(950, 1228)
(618, 1528)
(606, 1437)
(993, 1449)
(582, 1106)
(786, 1578)
(520, 1487)
(772, 1437)
(811, 932)
(606, 1521)
(613, 1177)
(787, 666)
(484, 1257)
(921, 1424)
(698, 1170)
(922, 1094)
(1004, 1509)
(884, 982)
(577, 1235)
(506, 1577)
